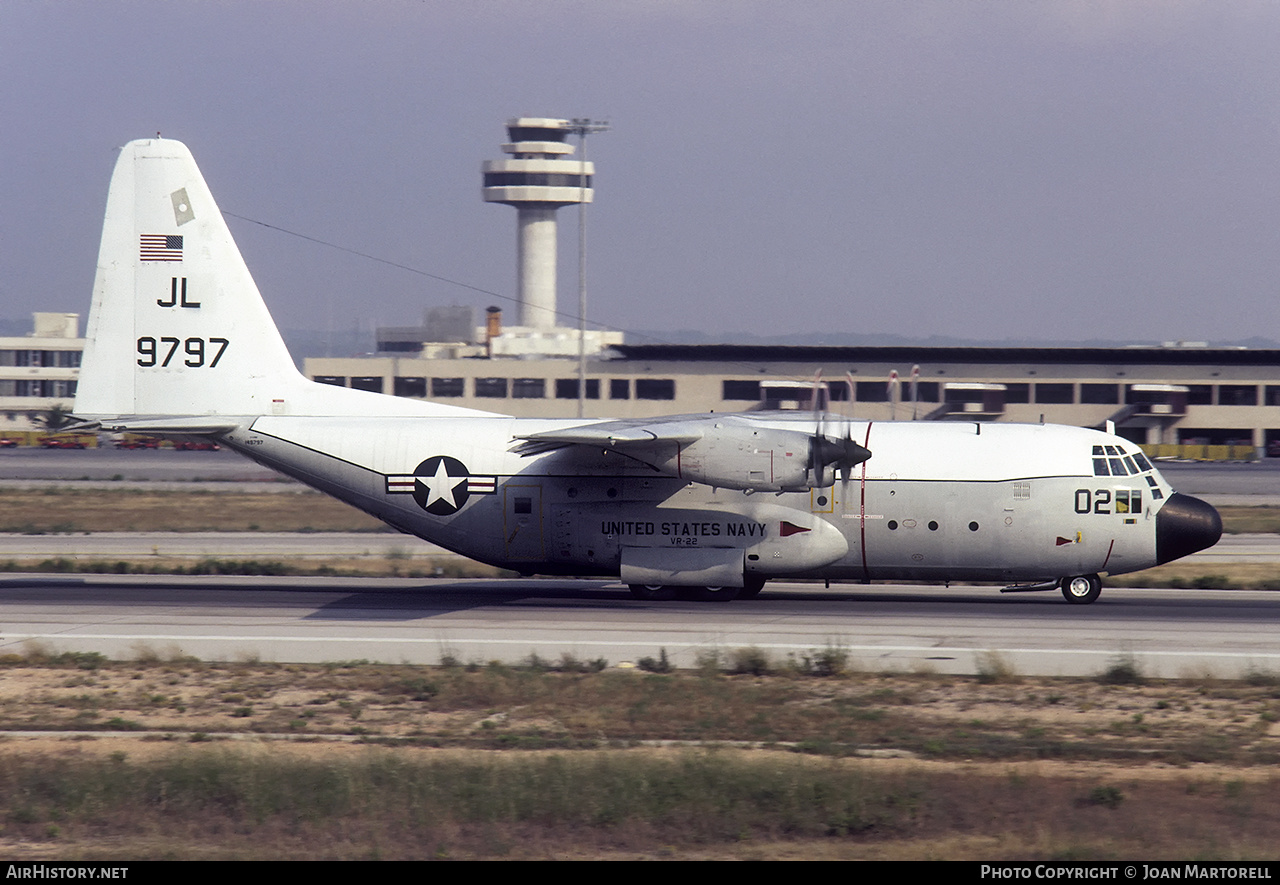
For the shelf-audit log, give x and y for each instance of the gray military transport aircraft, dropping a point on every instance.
(180, 343)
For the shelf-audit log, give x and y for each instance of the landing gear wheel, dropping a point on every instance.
(751, 587)
(716, 594)
(652, 592)
(1082, 589)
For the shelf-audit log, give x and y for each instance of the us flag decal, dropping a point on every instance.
(160, 247)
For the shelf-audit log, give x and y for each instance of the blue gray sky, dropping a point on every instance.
(1059, 170)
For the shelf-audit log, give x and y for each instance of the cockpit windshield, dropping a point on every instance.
(1120, 461)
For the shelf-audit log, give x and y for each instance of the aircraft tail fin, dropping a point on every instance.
(177, 326)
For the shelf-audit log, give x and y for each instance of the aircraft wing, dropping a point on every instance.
(723, 451)
(680, 430)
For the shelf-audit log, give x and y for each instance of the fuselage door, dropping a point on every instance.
(522, 521)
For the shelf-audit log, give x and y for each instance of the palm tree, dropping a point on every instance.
(54, 418)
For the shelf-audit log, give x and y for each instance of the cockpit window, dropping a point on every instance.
(1117, 461)
(1128, 501)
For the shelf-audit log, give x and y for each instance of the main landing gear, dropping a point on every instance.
(751, 588)
(1081, 589)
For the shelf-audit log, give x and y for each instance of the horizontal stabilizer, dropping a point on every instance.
(199, 425)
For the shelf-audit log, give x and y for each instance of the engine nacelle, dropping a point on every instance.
(737, 456)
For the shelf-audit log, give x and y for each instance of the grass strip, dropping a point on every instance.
(67, 510)
(438, 566)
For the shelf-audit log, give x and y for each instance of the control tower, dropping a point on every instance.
(537, 180)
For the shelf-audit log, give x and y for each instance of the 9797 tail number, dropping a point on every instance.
(194, 351)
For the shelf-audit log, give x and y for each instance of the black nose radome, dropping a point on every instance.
(1185, 525)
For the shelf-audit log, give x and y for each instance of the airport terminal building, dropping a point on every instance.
(1198, 396)
(38, 372)
(1213, 402)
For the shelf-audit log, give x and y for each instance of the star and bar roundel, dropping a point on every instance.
(441, 485)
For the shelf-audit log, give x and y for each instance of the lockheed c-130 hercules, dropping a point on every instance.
(180, 343)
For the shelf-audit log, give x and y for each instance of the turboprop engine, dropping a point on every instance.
(756, 459)
(730, 452)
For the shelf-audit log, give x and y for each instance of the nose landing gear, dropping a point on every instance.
(1081, 589)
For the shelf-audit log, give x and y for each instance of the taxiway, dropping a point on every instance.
(901, 628)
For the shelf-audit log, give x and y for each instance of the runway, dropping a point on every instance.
(897, 628)
(326, 545)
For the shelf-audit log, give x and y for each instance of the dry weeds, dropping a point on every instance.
(875, 766)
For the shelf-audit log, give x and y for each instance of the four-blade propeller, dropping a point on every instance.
(841, 453)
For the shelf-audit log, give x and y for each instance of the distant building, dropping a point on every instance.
(447, 331)
(1153, 395)
(453, 323)
(39, 371)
